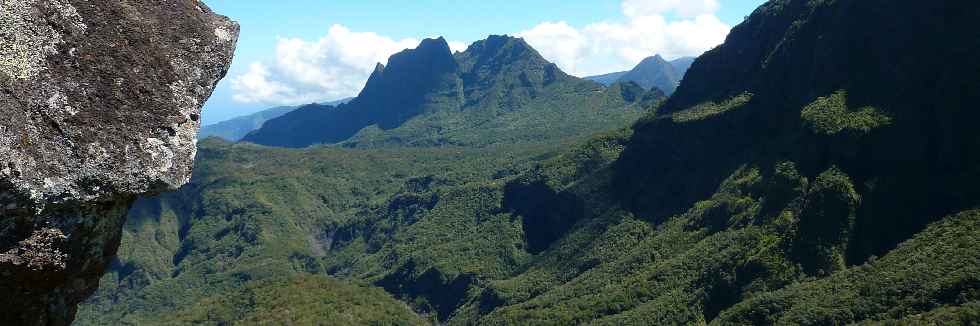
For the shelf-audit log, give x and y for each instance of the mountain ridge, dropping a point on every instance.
(654, 71)
(494, 78)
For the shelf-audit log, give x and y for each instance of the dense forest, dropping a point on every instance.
(818, 168)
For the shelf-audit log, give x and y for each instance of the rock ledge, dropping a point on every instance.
(100, 103)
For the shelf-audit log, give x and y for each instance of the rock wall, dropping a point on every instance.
(100, 103)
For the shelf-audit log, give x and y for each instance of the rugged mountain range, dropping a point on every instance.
(652, 72)
(805, 172)
(498, 90)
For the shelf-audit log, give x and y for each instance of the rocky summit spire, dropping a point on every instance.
(395, 92)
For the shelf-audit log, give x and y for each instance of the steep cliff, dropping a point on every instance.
(101, 102)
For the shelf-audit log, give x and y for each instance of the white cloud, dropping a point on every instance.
(603, 47)
(335, 66)
(256, 86)
(338, 64)
(457, 46)
(558, 42)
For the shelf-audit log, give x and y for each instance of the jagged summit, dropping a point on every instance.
(499, 50)
(394, 93)
(495, 44)
(431, 58)
(505, 63)
(498, 74)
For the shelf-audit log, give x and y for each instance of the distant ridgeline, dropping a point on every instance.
(499, 90)
(652, 72)
(818, 168)
(235, 129)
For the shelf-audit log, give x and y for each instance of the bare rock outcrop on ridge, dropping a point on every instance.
(99, 103)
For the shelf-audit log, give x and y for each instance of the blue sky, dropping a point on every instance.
(300, 51)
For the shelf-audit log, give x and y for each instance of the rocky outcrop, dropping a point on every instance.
(100, 103)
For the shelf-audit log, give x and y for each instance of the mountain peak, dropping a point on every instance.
(655, 59)
(655, 72)
(430, 49)
(503, 44)
(652, 72)
(499, 73)
(412, 68)
(435, 44)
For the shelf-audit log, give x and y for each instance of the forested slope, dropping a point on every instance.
(817, 168)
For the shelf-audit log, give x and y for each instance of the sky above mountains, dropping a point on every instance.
(305, 51)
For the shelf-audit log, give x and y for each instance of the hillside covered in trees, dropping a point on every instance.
(818, 168)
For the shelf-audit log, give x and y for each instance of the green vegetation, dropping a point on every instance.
(308, 300)
(253, 213)
(932, 277)
(708, 109)
(561, 112)
(294, 300)
(733, 212)
(830, 115)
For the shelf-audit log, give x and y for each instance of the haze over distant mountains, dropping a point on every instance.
(236, 128)
(652, 72)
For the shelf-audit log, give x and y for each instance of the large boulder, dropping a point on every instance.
(99, 103)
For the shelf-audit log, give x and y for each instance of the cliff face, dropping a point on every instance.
(885, 96)
(101, 103)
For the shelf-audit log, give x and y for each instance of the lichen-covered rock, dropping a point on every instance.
(99, 103)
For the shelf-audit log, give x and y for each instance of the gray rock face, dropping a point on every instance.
(99, 103)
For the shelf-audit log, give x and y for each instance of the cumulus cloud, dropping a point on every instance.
(603, 47)
(457, 46)
(559, 43)
(333, 67)
(338, 64)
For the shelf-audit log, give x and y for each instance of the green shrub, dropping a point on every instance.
(830, 115)
(708, 109)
